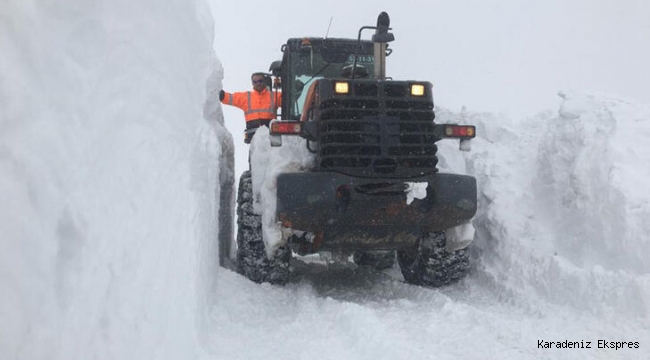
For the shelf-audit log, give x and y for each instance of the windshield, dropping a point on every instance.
(324, 58)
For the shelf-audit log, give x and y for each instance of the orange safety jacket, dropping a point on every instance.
(256, 105)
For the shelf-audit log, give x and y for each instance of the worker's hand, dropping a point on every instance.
(221, 95)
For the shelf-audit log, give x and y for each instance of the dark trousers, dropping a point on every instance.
(251, 128)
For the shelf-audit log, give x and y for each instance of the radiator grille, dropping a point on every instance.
(378, 129)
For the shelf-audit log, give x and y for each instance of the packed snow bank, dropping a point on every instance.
(562, 209)
(108, 178)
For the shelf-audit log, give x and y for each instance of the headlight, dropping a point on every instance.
(417, 90)
(341, 87)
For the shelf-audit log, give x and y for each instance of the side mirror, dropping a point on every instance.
(276, 68)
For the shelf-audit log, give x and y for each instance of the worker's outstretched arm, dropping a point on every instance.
(237, 99)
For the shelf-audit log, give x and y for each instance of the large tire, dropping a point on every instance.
(252, 261)
(380, 260)
(431, 264)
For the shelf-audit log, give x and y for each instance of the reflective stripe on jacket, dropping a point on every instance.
(256, 105)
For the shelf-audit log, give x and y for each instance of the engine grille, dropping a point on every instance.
(378, 129)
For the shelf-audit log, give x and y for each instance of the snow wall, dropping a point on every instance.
(109, 173)
(563, 212)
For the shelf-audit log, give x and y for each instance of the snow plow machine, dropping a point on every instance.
(374, 194)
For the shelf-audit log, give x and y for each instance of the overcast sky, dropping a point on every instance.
(507, 56)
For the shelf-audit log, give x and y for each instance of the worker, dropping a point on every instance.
(259, 106)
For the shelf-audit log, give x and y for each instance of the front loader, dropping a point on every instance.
(374, 192)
